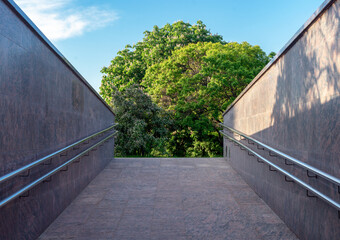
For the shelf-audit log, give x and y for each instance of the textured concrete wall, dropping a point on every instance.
(295, 107)
(44, 106)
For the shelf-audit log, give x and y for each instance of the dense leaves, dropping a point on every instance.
(143, 126)
(191, 75)
(197, 83)
(130, 64)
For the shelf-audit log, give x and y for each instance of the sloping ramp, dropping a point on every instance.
(188, 198)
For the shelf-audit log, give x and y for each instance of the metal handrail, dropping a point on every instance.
(285, 156)
(289, 175)
(41, 160)
(37, 181)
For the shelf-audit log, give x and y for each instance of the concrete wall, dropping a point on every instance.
(44, 105)
(294, 106)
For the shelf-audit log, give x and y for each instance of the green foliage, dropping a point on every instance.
(142, 129)
(196, 84)
(130, 64)
(191, 75)
(271, 55)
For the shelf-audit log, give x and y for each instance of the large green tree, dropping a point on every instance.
(130, 64)
(192, 76)
(196, 84)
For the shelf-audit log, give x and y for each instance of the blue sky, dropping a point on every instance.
(90, 33)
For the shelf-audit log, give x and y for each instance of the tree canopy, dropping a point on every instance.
(188, 76)
(130, 64)
(197, 83)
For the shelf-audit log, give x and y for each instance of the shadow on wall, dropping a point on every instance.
(306, 144)
(305, 115)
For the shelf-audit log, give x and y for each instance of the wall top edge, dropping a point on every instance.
(323, 7)
(17, 10)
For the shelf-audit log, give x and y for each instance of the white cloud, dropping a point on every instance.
(62, 19)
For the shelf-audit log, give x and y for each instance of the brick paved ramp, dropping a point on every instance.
(189, 198)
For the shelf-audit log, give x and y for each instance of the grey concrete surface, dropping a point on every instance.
(202, 198)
